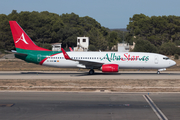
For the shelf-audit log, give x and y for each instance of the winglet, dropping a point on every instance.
(71, 49)
(66, 56)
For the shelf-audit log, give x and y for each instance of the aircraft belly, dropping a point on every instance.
(141, 65)
(136, 65)
(61, 63)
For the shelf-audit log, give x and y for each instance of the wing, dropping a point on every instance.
(86, 63)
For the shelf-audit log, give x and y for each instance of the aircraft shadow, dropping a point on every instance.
(126, 74)
(85, 73)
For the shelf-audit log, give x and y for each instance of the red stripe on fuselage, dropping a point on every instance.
(47, 58)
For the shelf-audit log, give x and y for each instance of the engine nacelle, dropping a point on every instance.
(110, 68)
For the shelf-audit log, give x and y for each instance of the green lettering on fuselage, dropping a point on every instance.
(127, 57)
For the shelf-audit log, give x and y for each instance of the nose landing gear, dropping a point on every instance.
(158, 72)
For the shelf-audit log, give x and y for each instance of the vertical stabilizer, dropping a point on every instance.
(21, 39)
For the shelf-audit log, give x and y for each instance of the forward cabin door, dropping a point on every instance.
(156, 59)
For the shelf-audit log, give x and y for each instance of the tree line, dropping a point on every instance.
(158, 34)
(45, 28)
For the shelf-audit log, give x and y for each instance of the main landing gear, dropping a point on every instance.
(91, 72)
(158, 72)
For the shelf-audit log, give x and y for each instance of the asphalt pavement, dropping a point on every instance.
(86, 106)
(84, 75)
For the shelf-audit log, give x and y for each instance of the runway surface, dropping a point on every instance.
(86, 106)
(84, 75)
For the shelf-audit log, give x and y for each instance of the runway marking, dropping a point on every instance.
(158, 112)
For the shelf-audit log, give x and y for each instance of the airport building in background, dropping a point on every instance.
(82, 44)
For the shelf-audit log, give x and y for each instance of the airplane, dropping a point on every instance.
(104, 61)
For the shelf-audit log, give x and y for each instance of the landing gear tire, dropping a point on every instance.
(91, 72)
(158, 72)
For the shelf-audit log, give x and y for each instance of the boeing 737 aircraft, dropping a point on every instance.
(105, 61)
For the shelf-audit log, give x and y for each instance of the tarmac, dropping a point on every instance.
(70, 75)
(88, 106)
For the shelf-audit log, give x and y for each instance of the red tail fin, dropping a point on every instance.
(21, 39)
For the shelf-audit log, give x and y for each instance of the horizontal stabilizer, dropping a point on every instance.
(13, 51)
(20, 54)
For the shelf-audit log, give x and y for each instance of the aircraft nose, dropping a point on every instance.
(173, 62)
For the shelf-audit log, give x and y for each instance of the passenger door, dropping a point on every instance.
(156, 59)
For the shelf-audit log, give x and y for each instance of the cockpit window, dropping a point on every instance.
(165, 58)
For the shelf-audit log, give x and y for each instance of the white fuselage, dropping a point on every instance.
(129, 60)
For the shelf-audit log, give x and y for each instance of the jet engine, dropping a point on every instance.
(110, 68)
